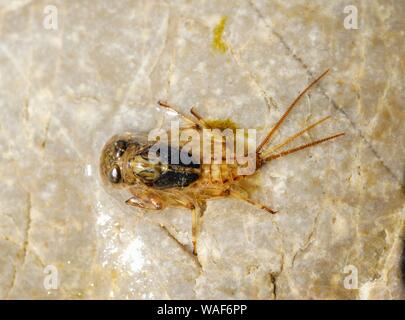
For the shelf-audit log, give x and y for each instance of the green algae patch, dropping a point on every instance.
(221, 124)
(218, 43)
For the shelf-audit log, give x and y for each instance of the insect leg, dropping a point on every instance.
(195, 227)
(270, 150)
(284, 116)
(241, 194)
(178, 199)
(145, 199)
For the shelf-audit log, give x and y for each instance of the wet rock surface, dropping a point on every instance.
(64, 92)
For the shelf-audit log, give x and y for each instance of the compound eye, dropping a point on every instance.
(115, 175)
(120, 147)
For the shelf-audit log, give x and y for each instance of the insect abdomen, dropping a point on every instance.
(218, 173)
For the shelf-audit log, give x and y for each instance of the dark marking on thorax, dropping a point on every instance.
(170, 168)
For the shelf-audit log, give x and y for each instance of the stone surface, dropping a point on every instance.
(64, 92)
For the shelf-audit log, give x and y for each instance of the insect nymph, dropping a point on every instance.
(155, 184)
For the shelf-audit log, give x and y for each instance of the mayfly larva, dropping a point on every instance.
(126, 162)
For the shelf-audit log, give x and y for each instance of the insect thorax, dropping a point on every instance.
(164, 169)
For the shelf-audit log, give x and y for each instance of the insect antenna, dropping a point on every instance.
(199, 118)
(304, 146)
(292, 105)
(270, 150)
(198, 122)
(165, 105)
